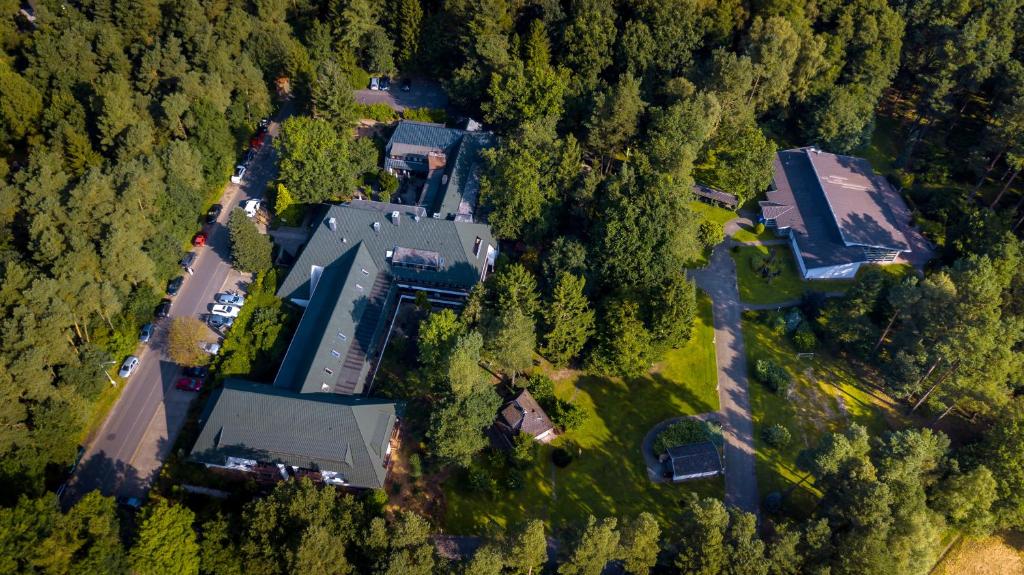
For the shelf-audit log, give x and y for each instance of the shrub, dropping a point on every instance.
(680, 433)
(759, 228)
(561, 458)
(513, 482)
(376, 499)
(771, 375)
(804, 338)
(388, 184)
(524, 451)
(568, 416)
(710, 233)
(380, 112)
(776, 435)
(250, 250)
(415, 466)
(541, 387)
(435, 115)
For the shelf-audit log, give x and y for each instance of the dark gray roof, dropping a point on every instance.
(867, 210)
(351, 270)
(463, 188)
(695, 458)
(809, 216)
(524, 414)
(322, 431)
(715, 194)
(338, 328)
(420, 137)
(354, 225)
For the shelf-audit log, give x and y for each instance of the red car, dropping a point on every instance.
(199, 240)
(257, 141)
(190, 384)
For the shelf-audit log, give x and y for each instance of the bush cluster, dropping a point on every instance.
(681, 433)
(771, 375)
(776, 435)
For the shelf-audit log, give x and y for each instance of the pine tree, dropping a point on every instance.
(569, 318)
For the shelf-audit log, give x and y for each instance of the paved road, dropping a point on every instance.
(718, 280)
(140, 430)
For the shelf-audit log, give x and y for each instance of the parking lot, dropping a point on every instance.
(421, 94)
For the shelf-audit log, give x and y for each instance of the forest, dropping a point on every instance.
(121, 121)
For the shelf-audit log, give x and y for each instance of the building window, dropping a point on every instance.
(342, 336)
(365, 273)
(335, 353)
(328, 371)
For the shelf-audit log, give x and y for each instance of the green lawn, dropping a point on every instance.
(788, 285)
(714, 214)
(825, 397)
(607, 475)
(746, 234)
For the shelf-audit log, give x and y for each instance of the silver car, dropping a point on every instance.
(146, 333)
(128, 367)
(228, 298)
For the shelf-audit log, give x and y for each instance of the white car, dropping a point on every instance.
(239, 174)
(250, 207)
(375, 83)
(211, 347)
(228, 298)
(225, 310)
(128, 367)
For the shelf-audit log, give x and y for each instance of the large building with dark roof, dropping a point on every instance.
(838, 214)
(363, 259)
(257, 429)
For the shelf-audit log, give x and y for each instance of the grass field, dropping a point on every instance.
(825, 397)
(607, 475)
(1000, 554)
(714, 214)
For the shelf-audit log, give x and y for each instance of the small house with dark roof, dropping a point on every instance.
(448, 162)
(694, 461)
(715, 197)
(524, 415)
(275, 435)
(838, 214)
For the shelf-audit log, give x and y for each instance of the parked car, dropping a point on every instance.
(164, 309)
(199, 240)
(189, 384)
(249, 156)
(174, 285)
(238, 175)
(218, 321)
(229, 298)
(188, 259)
(264, 122)
(385, 83)
(406, 85)
(130, 503)
(250, 207)
(200, 371)
(256, 143)
(375, 83)
(213, 213)
(225, 310)
(210, 347)
(128, 367)
(146, 333)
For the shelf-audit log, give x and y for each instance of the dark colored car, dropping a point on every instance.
(406, 85)
(174, 285)
(189, 384)
(385, 83)
(200, 371)
(146, 333)
(164, 309)
(213, 213)
(188, 259)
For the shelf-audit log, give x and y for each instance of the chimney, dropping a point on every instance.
(376, 226)
(332, 224)
(396, 218)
